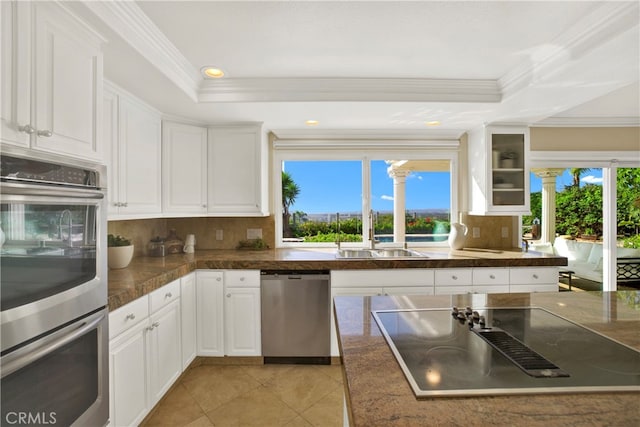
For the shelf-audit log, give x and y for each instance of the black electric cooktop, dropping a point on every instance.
(494, 351)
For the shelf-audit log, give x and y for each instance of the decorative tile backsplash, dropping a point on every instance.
(233, 230)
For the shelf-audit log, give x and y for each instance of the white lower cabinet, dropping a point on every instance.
(228, 314)
(144, 353)
(128, 376)
(188, 318)
(164, 354)
(533, 279)
(210, 313)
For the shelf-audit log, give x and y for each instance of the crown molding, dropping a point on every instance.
(134, 26)
(588, 122)
(349, 89)
(603, 24)
(368, 135)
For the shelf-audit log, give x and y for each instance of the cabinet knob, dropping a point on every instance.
(168, 295)
(242, 279)
(130, 316)
(156, 324)
(228, 295)
(45, 133)
(535, 276)
(28, 129)
(125, 204)
(218, 279)
(204, 206)
(454, 277)
(491, 276)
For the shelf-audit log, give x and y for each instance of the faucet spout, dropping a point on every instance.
(338, 229)
(372, 239)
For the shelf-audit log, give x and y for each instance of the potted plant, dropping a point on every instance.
(120, 251)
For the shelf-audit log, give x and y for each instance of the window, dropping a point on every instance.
(326, 197)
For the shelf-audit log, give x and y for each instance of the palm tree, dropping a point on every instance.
(290, 191)
(576, 173)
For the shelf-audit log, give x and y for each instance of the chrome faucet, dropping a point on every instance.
(372, 239)
(66, 211)
(338, 229)
(525, 245)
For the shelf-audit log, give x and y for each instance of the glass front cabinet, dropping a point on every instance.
(499, 170)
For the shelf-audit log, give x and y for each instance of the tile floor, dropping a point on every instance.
(254, 395)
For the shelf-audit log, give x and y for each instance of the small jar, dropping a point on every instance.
(173, 244)
(156, 247)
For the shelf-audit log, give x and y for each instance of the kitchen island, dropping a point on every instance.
(378, 394)
(146, 274)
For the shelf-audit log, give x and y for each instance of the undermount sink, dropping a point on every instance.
(396, 253)
(354, 253)
(377, 253)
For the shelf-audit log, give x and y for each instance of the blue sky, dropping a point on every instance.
(592, 176)
(336, 186)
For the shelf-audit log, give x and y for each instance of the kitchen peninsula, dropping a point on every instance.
(146, 274)
(377, 392)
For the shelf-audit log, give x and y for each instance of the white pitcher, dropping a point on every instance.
(457, 235)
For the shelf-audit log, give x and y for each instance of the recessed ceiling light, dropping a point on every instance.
(433, 123)
(311, 123)
(212, 73)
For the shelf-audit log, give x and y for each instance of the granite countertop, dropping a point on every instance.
(378, 393)
(146, 274)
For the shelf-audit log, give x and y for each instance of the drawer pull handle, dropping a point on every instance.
(130, 316)
(535, 276)
(454, 277)
(153, 326)
(492, 276)
(168, 295)
(45, 133)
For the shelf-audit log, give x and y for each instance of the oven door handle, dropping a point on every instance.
(35, 190)
(24, 356)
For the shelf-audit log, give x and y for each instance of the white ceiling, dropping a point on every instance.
(378, 65)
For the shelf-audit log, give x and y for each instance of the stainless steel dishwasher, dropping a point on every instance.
(295, 317)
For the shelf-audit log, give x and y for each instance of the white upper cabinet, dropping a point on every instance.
(237, 181)
(135, 157)
(51, 80)
(184, 169)
(499, 170)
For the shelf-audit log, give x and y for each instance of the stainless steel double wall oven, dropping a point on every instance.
(53, 299)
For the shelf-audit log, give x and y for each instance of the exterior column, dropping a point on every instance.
(399, 203)
(548, 226)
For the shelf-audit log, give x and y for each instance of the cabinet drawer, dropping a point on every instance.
(490, 289)
(452, 290)
(533, 275)
(543, 287)
(454, 277)
(242, 278)
(383, 278)
(128, 315)
(163, 296)
(490, 276)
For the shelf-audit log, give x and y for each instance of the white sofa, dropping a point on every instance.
(584, 258)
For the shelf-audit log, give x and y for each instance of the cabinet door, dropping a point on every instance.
(139, 150)
(236, 171)
(184, 168)
(111, 149)
(127, 377)
(68, 84)
(165, 358)
(242, 322)
(210, 313)
(15, 72)
(509, 173)
(188, 314)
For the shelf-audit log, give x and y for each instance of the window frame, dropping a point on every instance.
(364, 152)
